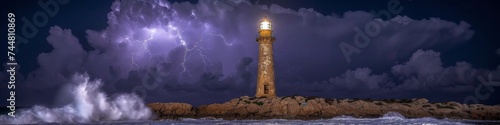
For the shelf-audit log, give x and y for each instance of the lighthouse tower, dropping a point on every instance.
(265, 78)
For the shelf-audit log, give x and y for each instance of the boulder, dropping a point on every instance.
(420, 101)
(298, 107)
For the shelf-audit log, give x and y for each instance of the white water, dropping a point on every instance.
(89, 104)
(391, 118)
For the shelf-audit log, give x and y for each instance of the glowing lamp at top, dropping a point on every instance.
(265, 24)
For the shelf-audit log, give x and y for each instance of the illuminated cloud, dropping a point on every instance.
(209, 51)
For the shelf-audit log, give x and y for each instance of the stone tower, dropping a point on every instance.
(265, 78)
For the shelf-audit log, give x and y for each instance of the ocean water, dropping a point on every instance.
(92, 106)
(343, 120)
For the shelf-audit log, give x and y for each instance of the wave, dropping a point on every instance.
(89, 105)
(388, 118)
(392, 115)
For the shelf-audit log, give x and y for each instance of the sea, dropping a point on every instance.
(344, 120)
(90, 105)
(333, 121)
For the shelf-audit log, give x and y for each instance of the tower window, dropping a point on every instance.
(266, 89)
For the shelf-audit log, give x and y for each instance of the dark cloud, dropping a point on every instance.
(422, 73)
(425, 69)
(59, 65)
(206, 52)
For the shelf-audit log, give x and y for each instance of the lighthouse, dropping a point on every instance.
(265, 76)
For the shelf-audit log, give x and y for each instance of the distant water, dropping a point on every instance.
(388, 119)
(344, 120)
(92, 106)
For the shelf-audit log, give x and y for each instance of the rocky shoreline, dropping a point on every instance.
(308, 108)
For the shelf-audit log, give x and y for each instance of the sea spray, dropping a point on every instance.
(89, 104)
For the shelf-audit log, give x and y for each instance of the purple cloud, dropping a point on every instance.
(209, 51)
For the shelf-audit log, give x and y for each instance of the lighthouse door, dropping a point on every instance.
(266, 89)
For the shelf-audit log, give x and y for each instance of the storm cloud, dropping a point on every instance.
(206, 52)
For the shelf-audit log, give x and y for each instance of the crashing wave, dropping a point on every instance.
(89, 104)
(392, 115)
(343, 117)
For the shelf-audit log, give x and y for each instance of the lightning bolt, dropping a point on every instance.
(197, 48)
(194, 48)
(144, 45)
(190, 48)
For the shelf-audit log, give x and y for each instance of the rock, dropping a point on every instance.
(298, 107)
(171, 110)
(420, 101)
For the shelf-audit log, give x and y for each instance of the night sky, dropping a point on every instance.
(203, 52)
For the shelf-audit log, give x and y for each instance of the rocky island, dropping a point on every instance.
(308, 108)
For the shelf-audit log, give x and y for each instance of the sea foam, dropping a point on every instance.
(89, 104)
